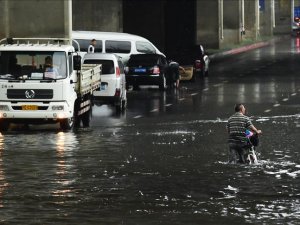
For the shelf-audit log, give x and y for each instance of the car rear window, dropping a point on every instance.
(107, 65)
(144, 47)
(84, 44)
(143, 60)
(117, 46)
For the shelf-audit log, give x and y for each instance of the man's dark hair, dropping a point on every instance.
(238, 107)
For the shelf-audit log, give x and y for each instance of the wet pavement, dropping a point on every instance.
(164, 161)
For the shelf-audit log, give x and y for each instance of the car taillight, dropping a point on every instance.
(118, 72)
(198, 64)
(156, 70)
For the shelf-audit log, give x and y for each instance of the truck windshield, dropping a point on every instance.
(33, 65)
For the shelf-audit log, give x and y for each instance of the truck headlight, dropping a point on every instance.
(57, 107)
(4, 108)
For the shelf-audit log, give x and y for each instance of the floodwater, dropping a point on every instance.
(168, 173)
(165, 160)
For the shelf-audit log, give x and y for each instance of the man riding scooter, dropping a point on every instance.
(238, 142)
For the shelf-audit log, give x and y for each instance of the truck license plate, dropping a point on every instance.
(29, 107)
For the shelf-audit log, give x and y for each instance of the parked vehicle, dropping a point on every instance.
(29, 94)
(122, 44)
(195, 62)
(146, 69)
(296, 26)
(201, 63)
(112, 90)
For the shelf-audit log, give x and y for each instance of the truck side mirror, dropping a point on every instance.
(77, 62)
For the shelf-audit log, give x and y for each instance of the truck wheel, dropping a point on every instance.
(86, 118)
(67, 124)
(4, 125)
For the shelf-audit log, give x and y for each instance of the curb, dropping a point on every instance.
(247, 47)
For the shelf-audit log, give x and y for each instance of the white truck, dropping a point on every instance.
(32, 92)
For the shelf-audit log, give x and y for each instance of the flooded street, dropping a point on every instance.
(165, 160)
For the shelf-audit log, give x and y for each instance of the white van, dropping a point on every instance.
(122, 44)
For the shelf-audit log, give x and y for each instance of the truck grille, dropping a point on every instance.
(29, 93)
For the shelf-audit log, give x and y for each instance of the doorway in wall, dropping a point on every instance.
(169, 24)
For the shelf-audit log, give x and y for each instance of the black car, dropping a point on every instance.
(146, 69)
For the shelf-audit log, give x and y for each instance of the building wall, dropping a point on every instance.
(35, 18)
(208, 23)
(98, 15)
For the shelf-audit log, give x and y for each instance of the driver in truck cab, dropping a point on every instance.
(50, 70)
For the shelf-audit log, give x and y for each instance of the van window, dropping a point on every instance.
(117, 46)
(84, 44)
(107, 65)
(144, 47)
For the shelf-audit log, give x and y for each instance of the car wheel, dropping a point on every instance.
(136, 87)
(206, 73)
(4, 125)
(163, 83)
(202, 73)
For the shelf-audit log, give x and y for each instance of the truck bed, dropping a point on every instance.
(90, 78)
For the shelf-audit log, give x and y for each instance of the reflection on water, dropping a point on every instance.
(3, 182)
(66, 144)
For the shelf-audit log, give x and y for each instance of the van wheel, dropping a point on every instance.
(118, 106)
(124, 101)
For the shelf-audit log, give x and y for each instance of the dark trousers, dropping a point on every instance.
(237, 153)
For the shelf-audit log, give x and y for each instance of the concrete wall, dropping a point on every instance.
(35, 18)
(283, 16)
(208, 23)
(266, 21)
(251, 18)
(3, 12)
(98, 15)
(232, 22)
